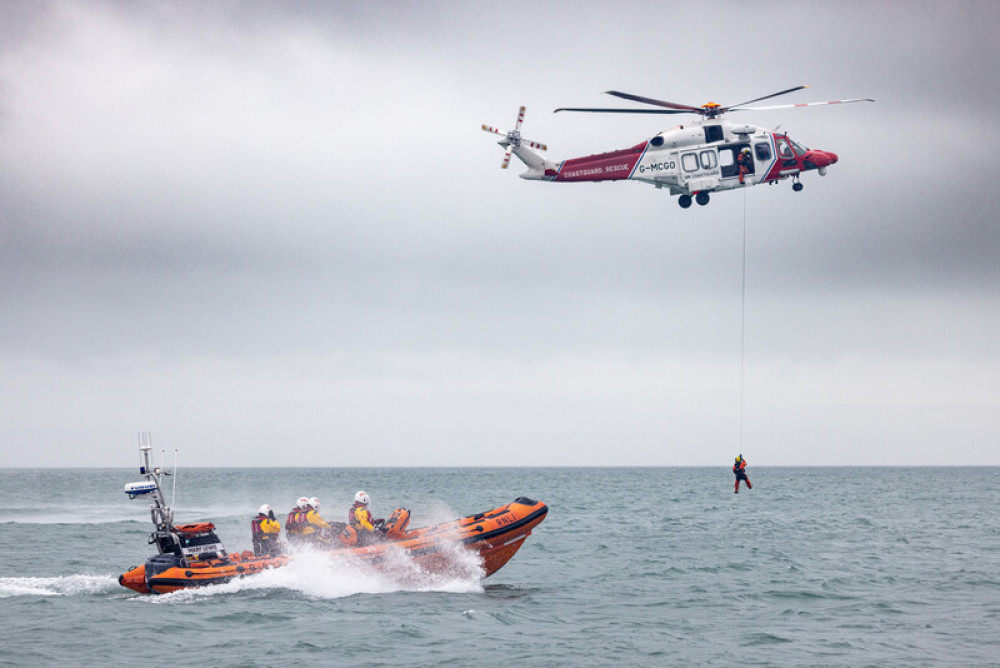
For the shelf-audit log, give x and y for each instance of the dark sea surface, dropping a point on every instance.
(634, 567)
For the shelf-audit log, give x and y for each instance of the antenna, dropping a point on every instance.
(144, 447)
(173, 495)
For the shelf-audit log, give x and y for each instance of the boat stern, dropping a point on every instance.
(135, 579)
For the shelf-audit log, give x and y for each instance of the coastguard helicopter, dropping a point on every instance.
(693, 159)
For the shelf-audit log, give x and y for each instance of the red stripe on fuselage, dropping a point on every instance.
(613, 166)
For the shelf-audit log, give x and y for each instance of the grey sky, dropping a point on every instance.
(276, 235)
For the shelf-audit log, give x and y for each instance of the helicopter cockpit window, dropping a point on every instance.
(784, 150)
(713, 133)
(708, 160)
(763, 151)
(798, 148)
(689, 161)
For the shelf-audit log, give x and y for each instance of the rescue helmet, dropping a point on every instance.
(362, 498)
(264, 510)
(314, 502)
(302, 502)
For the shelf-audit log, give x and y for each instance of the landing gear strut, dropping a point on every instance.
(684, 201)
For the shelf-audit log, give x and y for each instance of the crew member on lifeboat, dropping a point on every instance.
(296, 520)
(304, 523)
(265, 531)
(360, 518)
(318, 530)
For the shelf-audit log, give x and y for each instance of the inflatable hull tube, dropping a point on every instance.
(496, 535)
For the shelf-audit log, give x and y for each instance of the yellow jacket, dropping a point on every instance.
(361, 518)
(315, 521)
(270, 526)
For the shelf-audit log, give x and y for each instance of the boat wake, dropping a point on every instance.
(316, 575)
(70, 585)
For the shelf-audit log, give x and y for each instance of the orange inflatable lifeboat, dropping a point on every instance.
(193, 556)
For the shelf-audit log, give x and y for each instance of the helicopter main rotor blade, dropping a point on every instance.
(767, 97)
(803, 104)
(597, 110)
(654, 102)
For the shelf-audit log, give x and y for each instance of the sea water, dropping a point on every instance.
(636, 567)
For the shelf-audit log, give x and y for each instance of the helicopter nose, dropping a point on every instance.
(823, 158)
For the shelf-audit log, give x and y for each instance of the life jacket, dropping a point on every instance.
(739, 466)
(297, 521)
(264, 542)
(314, 522)
(352, 516)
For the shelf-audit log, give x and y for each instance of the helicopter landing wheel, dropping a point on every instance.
(796, 186)
(701, 198)
(684, 201)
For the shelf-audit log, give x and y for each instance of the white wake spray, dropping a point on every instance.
(70, 585)
(315, 574)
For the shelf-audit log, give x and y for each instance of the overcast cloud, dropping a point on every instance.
(274, 234)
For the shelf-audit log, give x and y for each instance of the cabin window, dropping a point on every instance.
(713, 133)
(708, 160)
(763, 151)
(689, 161)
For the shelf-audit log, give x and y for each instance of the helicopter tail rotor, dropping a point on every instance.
(513, 138)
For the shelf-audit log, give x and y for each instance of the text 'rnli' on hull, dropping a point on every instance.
(496, 535)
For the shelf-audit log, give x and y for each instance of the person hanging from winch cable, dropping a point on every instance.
(739, 470)
(265, 532)
(360, 518)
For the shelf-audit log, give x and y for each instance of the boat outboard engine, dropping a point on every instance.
(159, 563)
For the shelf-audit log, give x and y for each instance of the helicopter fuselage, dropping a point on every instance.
(691, 159)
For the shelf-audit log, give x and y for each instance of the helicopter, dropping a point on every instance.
(692, 160)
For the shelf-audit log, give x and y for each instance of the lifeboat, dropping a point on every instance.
(192, 555)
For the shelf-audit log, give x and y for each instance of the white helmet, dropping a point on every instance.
(302, 502)
(362, 498)
(264, 510)
(314, 502)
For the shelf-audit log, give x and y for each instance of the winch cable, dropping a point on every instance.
(743, 317)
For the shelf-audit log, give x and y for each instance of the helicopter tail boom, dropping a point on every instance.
(519, 146)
